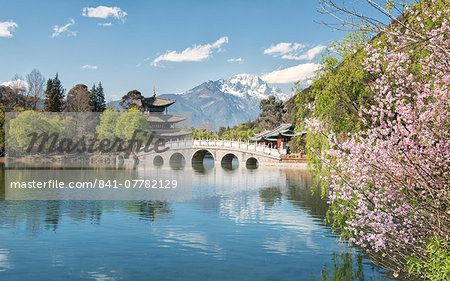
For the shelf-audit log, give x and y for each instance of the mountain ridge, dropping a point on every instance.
(225, 102)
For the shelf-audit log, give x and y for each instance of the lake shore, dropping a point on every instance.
(285, 164)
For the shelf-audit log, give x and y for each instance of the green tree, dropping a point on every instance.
(435, 263)
(241, 132)
(98, 98)
(202, 134)
(93, 100)
(54, 95)
(221, 131)
(341, 86)
(131, 100)
(28, 122)
(107, 127)
(11, 99)
(123, 125)
(129, 122)
(272, 112)
(335, 96)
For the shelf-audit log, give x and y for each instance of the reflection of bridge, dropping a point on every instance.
(223, 151)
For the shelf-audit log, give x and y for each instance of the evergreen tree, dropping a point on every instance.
(47, 94)
(98, 98)
(272, 112)
(54, 95)
(93, 101)
(101, 103)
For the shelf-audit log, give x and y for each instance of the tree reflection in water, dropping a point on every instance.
(2, 181)
(39, 215)
(345, 267)
(298, 192)
(148, 210)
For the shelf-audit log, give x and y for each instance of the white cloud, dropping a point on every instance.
(302, 72)
(195, 53)
(88, 66)
(239, 60)
(104, 24)
(283, 48)
(309, 55)
(6, 28)
(293, 51)
(104, 12)
(15, 83)
(58, 30)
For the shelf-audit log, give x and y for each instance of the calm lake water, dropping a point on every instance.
(241, 224)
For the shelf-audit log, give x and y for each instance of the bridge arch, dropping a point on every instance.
(177, 161)
(251, 163)
(158, 161)
(229, 160)
(200, 155)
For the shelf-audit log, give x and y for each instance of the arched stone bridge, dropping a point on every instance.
(223, 152)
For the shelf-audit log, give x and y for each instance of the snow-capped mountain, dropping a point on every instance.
(225, 102)
(250, 86)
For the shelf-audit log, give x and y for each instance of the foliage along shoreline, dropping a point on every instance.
(379, 140)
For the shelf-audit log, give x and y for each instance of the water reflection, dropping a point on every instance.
(230, 162)
(240, 224)
(2, 181)
(270, 195)
(204, 166)
(346, 267)
(38, 216)
(4, 260)
(148, 210)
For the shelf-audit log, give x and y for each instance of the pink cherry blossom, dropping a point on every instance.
(391, 182)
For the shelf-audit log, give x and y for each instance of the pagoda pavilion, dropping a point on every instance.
(162, 123)
(277, 138)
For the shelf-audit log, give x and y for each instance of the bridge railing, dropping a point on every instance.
(240, 145)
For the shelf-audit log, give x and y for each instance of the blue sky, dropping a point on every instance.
(170, 45)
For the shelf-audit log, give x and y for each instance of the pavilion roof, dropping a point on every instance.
(164, 118)
(285, 130)
(157, 101)
(171, 132)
